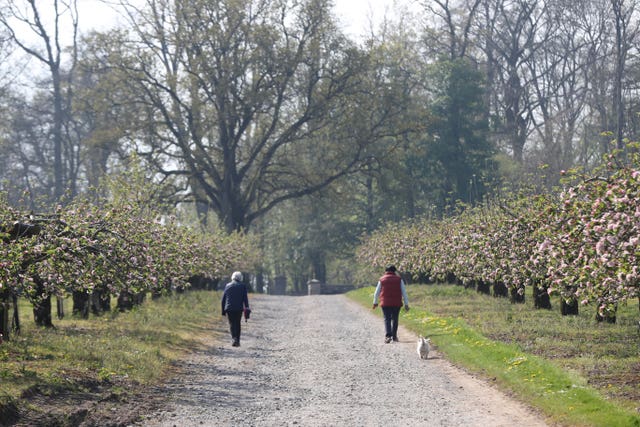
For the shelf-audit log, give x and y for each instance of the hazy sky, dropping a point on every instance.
(355, 15)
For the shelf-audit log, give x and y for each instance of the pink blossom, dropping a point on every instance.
(544, 245)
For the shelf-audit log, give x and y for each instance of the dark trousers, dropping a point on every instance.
(391, 315)
(234, 318)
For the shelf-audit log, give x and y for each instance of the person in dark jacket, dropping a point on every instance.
(391, 292)
(234, 302)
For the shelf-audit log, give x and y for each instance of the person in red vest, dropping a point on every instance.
(391, 292)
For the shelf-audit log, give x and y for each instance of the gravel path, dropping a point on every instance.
(322, 361)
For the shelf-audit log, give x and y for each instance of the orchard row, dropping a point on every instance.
(117, 248)
(580, 242)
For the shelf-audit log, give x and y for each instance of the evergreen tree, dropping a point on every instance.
(457, 147)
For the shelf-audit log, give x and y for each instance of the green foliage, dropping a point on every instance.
(457, 139)
(304, 238)
(242, 142)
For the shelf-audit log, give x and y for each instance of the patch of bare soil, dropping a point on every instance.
(86, 404)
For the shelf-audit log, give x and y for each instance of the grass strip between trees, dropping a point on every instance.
(562, 396)
(116, 350)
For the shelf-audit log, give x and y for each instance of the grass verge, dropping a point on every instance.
(116, 349)
(546, 360)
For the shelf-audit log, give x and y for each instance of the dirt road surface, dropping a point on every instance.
(322, 361)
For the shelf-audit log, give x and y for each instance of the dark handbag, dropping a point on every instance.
(247, 313)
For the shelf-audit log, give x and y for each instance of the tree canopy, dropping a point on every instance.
(249, 103)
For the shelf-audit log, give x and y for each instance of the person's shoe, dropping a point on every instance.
(395, 339)
(387, 340)
(236, 344)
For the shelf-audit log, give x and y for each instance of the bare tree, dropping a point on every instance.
(39, 31)
(559, 81)
(627, 28)
(517, 33)
(456, 20)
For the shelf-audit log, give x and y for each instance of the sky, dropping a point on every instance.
(357, 15)
(354, 15)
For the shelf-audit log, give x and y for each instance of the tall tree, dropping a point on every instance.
(26, 152)
(44, 38)
(559, 85)
(391, 183)
(252, 100)
(458, 135)
(519, 37)
(457, 19)
(104, 109)
(626, 32)
(594, 23)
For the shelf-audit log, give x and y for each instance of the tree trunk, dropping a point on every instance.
(41, 305)
(319, 268)
(60, 307)
(15, 324)
(609, 315)
(101, 301)
(483, 287)
(541, 297)
(81, 302)
(369, 209)
(569, 308)
(620, 62)
(259, 282)
(58, 171)
(608, 319)
(4, 320)
(500, 290)
(517, 295)
(127, 300)
(42, 311)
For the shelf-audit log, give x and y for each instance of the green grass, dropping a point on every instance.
(135, 347)
(547, 360)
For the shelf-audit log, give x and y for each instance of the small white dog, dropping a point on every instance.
(423, 347)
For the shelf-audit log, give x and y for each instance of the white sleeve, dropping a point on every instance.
(405, 297)
(376, 295)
